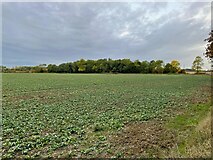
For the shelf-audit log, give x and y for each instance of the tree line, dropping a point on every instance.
(103, 66)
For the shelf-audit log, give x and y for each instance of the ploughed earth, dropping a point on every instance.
(143, 139)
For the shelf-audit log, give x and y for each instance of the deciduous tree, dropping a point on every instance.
(176, 65)
(197, 64)
(209, 48)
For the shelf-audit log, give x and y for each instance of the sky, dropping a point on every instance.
(53, 33)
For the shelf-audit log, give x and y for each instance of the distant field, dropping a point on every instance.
(53, 115)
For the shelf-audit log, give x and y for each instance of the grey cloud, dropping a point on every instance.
(35, 33)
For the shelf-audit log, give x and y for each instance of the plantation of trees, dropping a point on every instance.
(103, 66)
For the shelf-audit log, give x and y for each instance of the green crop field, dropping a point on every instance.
(75, 114)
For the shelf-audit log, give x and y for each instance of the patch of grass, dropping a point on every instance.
(193, 132)
(190, 118)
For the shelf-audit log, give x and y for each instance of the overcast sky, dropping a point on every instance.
(37, 33)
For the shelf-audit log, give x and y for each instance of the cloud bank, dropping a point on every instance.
(36, 33)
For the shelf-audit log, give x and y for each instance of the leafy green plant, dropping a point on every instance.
(47, 112)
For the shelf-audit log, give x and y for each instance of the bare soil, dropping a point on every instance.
(142, 139)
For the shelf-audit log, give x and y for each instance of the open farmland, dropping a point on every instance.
(53, 115)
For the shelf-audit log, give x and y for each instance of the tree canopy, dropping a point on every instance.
(209, 48)
(103, 66)
(197, 64)
(176, 65)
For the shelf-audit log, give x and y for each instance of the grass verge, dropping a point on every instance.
(193, 132)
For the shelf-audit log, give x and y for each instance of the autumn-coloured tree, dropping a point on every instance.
(209, 48)
(176, 64)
